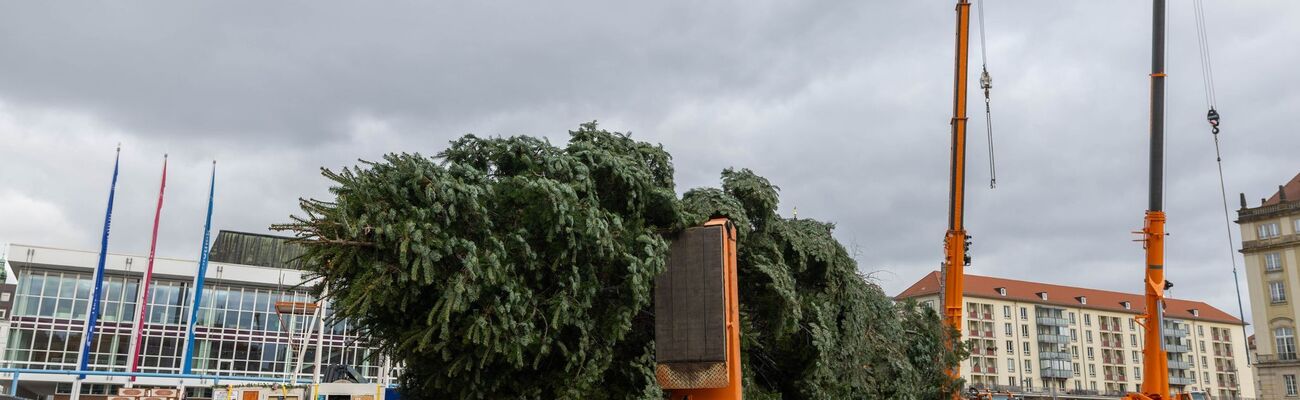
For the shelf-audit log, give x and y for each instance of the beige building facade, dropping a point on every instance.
(1063, 342)
(1270, 241)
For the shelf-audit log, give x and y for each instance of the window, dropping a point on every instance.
(1074, 335)
(1090, 355)
(1011, 365)
(1272, 262)
(1007, 328)
(1289, 382)
(1011, 347)
(1267, 230)
(1088, 335)
(1092, 370)
(1006, 311)
(1025, 348)
(1024, 313)
(1087, 319)
(1076, 373)
(1002, 291)
(1137, 356)
(1133, 339)
(1202, 346)
(1075, 351)
(1277, 292)
(1285, 338)
(1137, 372)
(1204, 364)
(1130, 322)
(1011, 381)
(1296, 228)
(1200, 330)
(1029, 365)
(1024, 330)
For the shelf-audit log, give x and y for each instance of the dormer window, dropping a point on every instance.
(1082, 299)
(1127, 305)
(1002, 291)
(1195, 312)
(1042, 295)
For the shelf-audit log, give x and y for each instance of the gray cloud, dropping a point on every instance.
(843, 105)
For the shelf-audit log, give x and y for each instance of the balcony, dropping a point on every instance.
(1176, 332)
(1180, 365)
(1053, 355)
(1181, 381)
(1053, 321)
(1177, 348)
(974, 333)
(1283, 358)
(1056, 373)
(1050, 338)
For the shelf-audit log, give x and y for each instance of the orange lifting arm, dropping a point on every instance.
(954, 242)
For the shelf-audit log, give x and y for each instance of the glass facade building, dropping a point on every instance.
(238, 331)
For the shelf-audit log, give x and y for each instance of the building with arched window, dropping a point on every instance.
(1270, 241)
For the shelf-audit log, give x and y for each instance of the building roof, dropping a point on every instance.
(1068, 296)
(1291, 189)
(256, 249)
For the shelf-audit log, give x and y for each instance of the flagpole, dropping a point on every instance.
(143, 302)
(187, 366)
(92, 317)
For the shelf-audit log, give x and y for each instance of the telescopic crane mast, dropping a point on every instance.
(1155, 384)
(955, 241)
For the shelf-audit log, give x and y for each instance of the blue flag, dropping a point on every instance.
(198, 278)
(88, 334)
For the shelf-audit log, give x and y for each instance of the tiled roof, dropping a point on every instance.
(1068, 296)
(1292, 190)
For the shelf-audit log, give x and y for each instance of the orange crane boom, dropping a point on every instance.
(1154, 358)
(955, 241)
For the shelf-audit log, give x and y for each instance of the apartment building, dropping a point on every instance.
(1270, 242)
(1034, 337)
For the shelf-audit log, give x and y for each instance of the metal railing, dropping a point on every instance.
(1056, 373)
(1050, 338)
(215, 379)
(1053, 355)
(1053, 321)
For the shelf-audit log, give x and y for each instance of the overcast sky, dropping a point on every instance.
(844, 105)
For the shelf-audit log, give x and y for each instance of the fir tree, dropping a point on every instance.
(508, 267)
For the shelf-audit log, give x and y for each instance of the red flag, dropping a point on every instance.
(148, 274)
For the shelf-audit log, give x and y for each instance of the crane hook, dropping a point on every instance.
(1213, 118)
